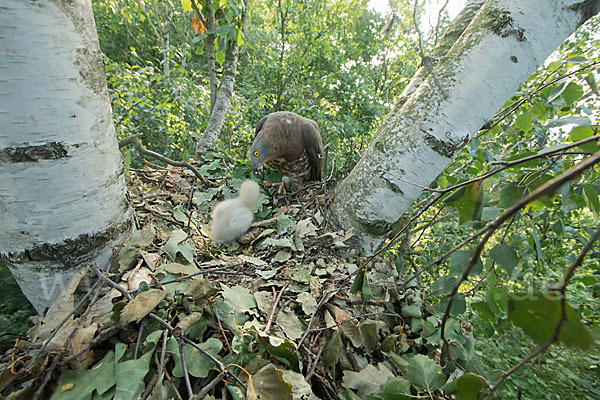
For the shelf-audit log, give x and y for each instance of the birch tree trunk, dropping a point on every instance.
(210, 54)
(224, 93)
(440, 111)
(62, 189)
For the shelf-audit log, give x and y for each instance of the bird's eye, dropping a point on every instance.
(256, 153)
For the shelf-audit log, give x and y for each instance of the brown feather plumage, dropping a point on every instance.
(290, 144)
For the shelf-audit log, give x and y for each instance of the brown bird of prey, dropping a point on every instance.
(290, 144)
(232, 218)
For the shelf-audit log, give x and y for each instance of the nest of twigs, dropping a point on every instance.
(176, 316)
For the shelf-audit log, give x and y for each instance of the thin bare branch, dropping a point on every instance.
(135, 140)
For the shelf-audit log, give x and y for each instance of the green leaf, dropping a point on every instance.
(537, 246)
(490, 213)
(240, 38)
(368, 331)
(577, 60)
(459, 261)
(538, 315)
(366, 293)
(177, 244)
(553, 65)
(423, 372)
(497, 298)
(268, 383)
(468, 201)
(444, 285)
(530, 163)
(282, 349)
(523, 121)
(230, 317)
(396, 389)
(333, 350)
(130, 377)
(484, 311)
(239, 298)
(505, 256)
(350, 395)
(467, 387)
(291, 324)
(572, 93)
(411, 311)
(368, 381)
(583, 132)
(399, 362)
(591, 80)
(416, 324)
(361, 284)
(554, 123)
(556, 92)
(197, 364)
(180, 214)
(458, 306)
(187, 5)
(285, 224)
(220, 57)
(358, 281)
(591, 200)
(79, 384)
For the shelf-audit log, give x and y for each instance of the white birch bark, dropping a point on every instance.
(502, 46)
(62, 189)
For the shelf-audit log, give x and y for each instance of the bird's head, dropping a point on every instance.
(258, 154)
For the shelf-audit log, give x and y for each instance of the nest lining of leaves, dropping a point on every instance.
(280, 314)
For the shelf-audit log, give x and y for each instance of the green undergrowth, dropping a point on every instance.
(15, 309)
(560, 373)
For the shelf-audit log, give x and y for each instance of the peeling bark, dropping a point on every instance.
(442, 109)
(62, 193)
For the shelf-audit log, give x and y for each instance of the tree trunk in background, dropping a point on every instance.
(223, 99)
(62, 193)
(501, 47)
(210, 54)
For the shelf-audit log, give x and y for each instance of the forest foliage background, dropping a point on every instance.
(342, 64)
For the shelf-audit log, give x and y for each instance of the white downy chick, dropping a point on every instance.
(232, 218)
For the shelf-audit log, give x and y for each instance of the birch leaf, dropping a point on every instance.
(269, 384)
(332, 351)
(141, 306)
(197, 364)
(538, 315)
(130, 377)
(239, 298)
(175, 245)
(423, 372)
(368, 381)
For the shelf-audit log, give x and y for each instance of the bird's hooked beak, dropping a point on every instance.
(256, 168)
